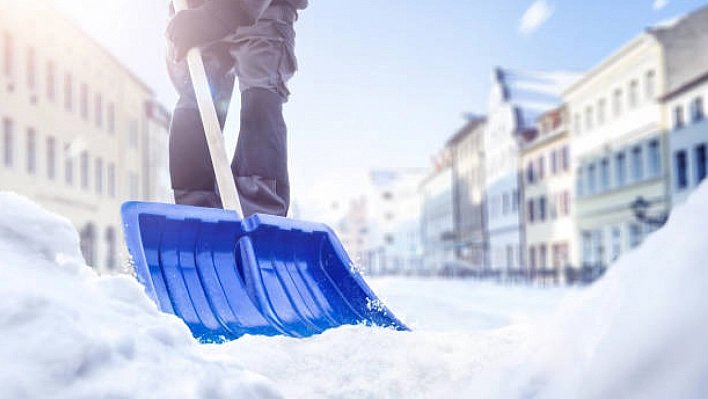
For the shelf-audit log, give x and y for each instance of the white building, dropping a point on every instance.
(393, 242)
(73, 125)
(501, 150)
(467, 148)
(438, 217)
(688, 141)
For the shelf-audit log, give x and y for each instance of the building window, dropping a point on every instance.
(8, 50)
(616, 243)
(515, 201)
(51, 81)
(579, 183)
(700, 151)
(68, 165)
(681, 170)
(529, 173)
(98, 110)
(601, 111)
(589, 118)
(133, 135)
(592, 182)
(565, 203)
(31, 68)
(84, 165)
(637, 164)
(565, 157)
(111, 117)
(532, 257)
(31, 151)
(51, 158)
(8, 143)
(697, 113)
(633, 99)
(621, 169)
(634, 235)
(617, 103)
(83, 101)
(650, 84)
(530, 210)
(98, 172)
(542, 208)
(654, 158)
(560, 255)
(678, 117)
(111, 258)
(541, 162)
(111, 180)
(587, 247)
(542, 256)
(68, 92)
(554, 162)
(604, 174)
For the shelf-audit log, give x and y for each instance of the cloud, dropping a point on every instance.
(539, 12)
(659, 4)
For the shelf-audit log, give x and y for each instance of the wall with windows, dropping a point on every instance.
(619, 148)
(71, 118)
(501, 170)
(437, 218)
(688, 138)
(548, 196)
(468, 189)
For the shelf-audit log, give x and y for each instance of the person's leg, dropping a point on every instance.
(264, 63)
(191, 170)
(260, 163)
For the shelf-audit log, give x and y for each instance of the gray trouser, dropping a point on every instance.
(262, 57)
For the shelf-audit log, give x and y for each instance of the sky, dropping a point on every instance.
(385, 84)
(641, 331)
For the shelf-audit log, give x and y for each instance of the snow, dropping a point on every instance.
(641, 331)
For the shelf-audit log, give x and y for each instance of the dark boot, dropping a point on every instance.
(260, 163)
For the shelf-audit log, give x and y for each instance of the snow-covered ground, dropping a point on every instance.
(642, 331)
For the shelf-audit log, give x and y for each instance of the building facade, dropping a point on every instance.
(393, 242)
(548, 191)
(501, 181)
(619, 132)
(688, 140)
(467, 147)
(437, 216)
(619, 143)
(74, 125)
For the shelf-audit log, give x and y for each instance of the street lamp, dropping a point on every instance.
(640, 207)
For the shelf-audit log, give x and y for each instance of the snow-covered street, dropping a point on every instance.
(641, 331)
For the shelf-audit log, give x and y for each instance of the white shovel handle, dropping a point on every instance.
(212, 129)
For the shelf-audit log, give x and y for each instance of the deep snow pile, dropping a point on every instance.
(642, 331)
(67, 334)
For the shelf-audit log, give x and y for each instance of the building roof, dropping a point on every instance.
(532, 93)
(472, 123)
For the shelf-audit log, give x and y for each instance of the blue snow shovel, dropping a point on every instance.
(226, 276)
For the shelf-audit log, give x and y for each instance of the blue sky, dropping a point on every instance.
(386, 83)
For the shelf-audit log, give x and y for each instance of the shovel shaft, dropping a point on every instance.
(212, 128)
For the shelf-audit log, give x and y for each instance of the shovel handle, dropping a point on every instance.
(212, 128)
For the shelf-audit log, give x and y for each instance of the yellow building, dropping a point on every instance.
(548, 190)
(619, 132)
(76, 126)
(619, 143)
